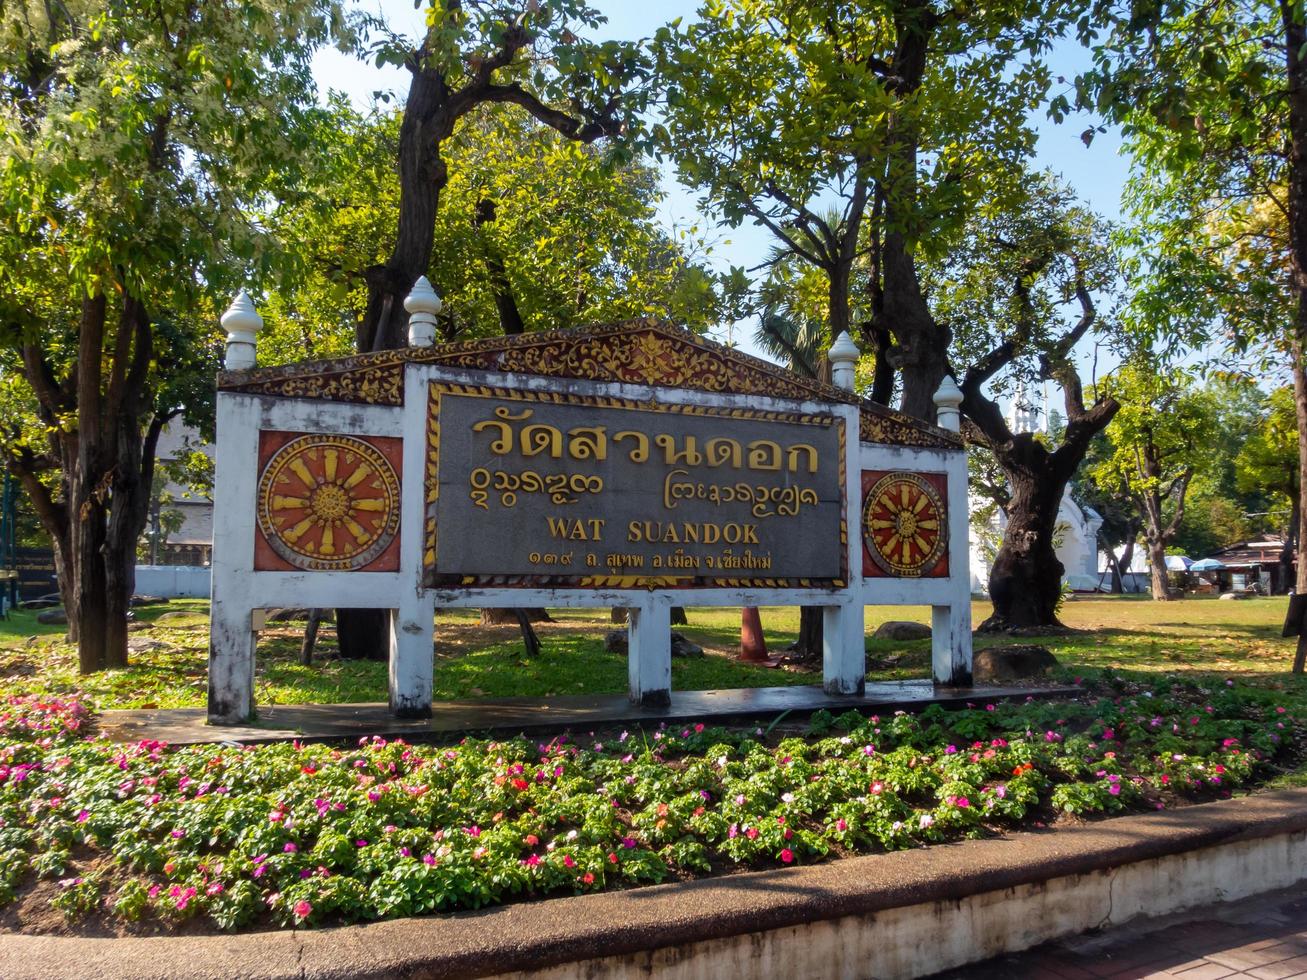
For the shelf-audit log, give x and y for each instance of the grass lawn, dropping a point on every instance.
(1191, 636)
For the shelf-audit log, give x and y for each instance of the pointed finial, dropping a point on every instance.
(843, 356)
(947, 400)
(242, 323)
(422, 304)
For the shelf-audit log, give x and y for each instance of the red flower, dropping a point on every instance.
(787, 856)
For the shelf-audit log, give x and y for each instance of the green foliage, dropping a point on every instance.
(1267, 463)
(1201, 95)
(570, 236)
(1160, 441)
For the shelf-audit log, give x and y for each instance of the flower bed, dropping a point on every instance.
(307, 834)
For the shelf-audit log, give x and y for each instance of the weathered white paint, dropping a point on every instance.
(917, 940)
(649, 650)
(948, 404)
(238, 589)
(843, 356)
(242, 323)
(422, 305)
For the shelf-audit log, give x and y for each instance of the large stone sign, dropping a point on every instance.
(633, 465)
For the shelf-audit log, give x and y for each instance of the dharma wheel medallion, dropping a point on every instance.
(328, 503)
(904, 525)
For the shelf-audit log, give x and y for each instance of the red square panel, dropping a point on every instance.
(904, 524)
(328, 502)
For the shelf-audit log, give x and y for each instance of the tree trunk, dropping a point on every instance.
(811, 633)
(1296, 40)
(310, 637)
(618, 614)
(1025, 581)
(422, 176)
(1157, 569)
(363, 634)
(678, 616)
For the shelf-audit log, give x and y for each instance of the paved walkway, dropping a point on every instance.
(310, 722)
(1263, 938)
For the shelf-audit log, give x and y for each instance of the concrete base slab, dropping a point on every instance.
(324, 722)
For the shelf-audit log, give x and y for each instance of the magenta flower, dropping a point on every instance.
(787, 855)
(303, 909)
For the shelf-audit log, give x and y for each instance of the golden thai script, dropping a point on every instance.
(514, 432)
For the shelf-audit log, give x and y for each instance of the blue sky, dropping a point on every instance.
(1097, 172)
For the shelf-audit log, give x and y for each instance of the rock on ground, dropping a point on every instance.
(143, 644)
(900, 630)
(995, 665)
(615, 641)
(52, 617)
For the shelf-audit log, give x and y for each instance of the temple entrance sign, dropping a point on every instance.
(634, 465)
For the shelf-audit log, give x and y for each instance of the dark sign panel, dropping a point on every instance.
(550, 490)
(36, 575)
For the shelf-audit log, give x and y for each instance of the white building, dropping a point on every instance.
(1076, 535)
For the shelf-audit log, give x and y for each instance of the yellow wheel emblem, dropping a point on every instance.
(328, 503)
(904, 524)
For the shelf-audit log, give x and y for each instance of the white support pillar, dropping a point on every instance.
(412, 639)
(231, 659)
(844, 650)
(950, 654)
(649, 652)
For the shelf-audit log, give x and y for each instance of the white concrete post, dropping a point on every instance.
(411, 653)
(843, 356)
(422, 304)
(242, 323)
(947, 401)
(649, 652)
(951, 624)
(844, 650)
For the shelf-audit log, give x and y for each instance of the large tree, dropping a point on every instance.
(477, 53)
(137, 140)
(1159, 441)
(1007, 285)
(535, 232)
(1213, 100)
(903, 113)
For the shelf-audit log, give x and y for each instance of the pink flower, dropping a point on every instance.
(876, 788)
(568, 861)
(429, 859)
(290, 848)
(841, 825)
(303, 909)
(787, 855)
(950, 750)
(531, 861)
(83, 816)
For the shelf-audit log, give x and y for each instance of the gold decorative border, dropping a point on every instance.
(437, 389)
(638, 351)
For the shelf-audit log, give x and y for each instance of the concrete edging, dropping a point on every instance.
(894, 914)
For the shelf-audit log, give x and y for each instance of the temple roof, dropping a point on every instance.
(648, 352)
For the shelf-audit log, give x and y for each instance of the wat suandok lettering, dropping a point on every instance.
(576, 492)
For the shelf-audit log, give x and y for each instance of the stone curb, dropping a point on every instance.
(534, 935)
